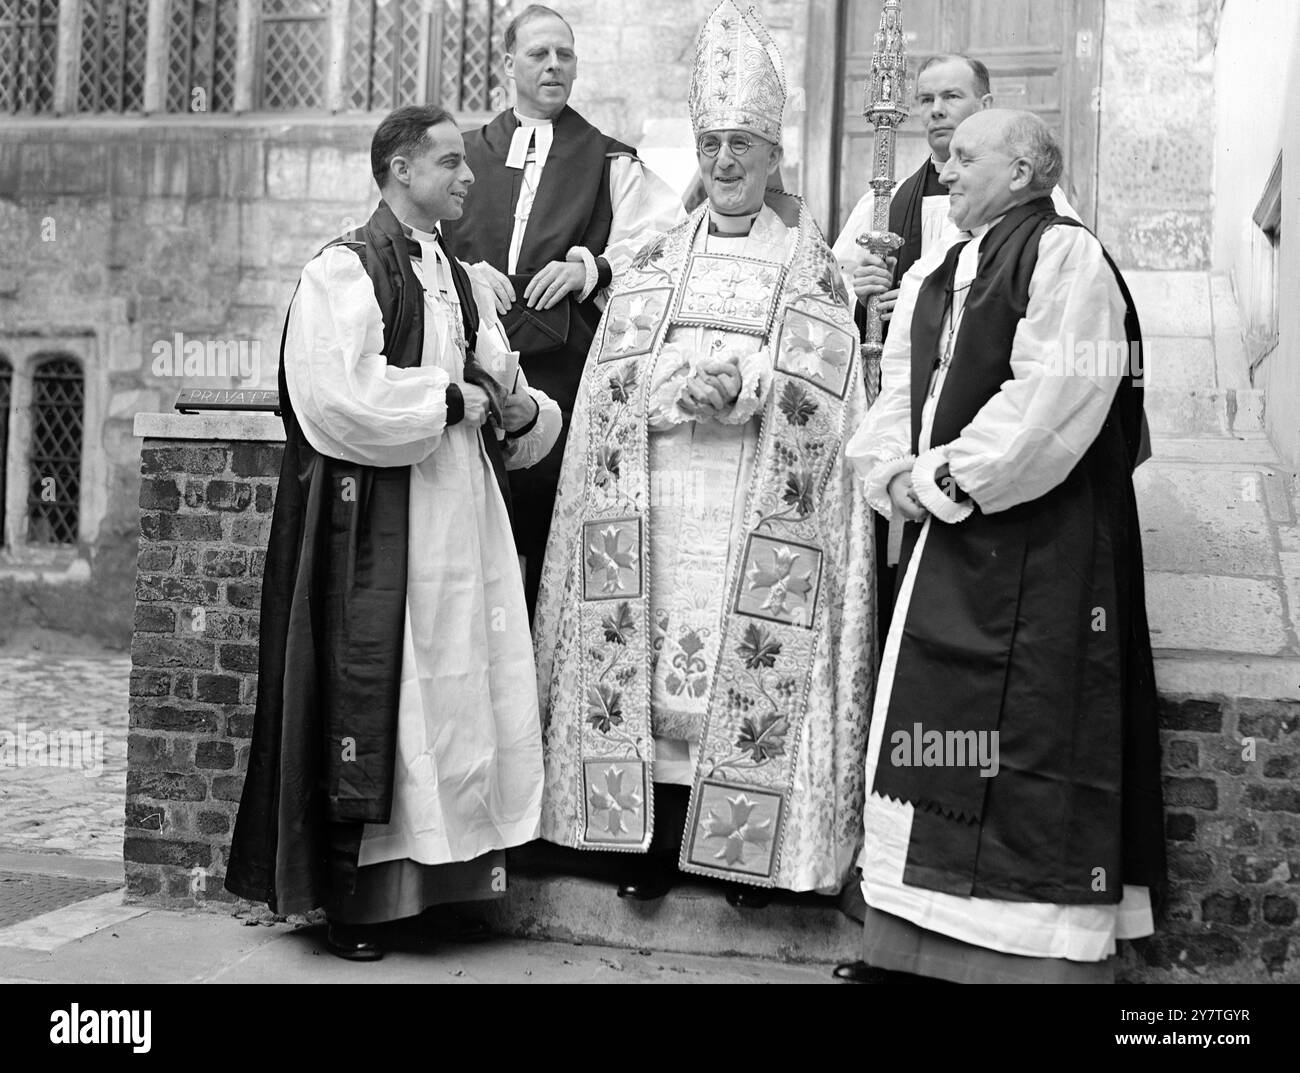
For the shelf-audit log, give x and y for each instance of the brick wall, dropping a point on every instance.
(205, 510)
(1233, 823)
(1232, 804)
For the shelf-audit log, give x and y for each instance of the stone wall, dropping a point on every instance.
(205, 509)
(1231, 765)
(1156, 156)
(131, 239)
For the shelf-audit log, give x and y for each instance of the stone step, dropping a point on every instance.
(1244, 449)
(1189, 413)
(551, 898)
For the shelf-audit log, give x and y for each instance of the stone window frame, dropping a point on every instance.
(1262, 303)
(444, 17)
(18, 559)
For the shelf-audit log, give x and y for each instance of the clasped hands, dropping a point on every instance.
(906, 504)
(520, 407)
(903, 497)
(712, 390)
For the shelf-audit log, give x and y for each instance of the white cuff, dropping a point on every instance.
(877, 483)
(588, 259)
(929, 493)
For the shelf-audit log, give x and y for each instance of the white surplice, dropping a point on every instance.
(1022, 443)
(468, 775)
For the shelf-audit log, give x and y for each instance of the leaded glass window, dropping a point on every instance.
(201, 55)
(388, 52)
(113, 41)
(29, 37)
(295, 51)
(470, 56)
(54, 459)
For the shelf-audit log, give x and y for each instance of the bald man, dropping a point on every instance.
(1013, 829)
(949, 89)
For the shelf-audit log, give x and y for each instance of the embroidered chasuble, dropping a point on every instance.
(706, 588)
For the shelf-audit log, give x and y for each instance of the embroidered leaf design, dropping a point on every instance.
(831, 282)
(797, 405)
(608, 460)
(765, 738)
(619, 625)
(798, 491)
(604, 707)
(758, 648)
(623, 383)
(651, 252)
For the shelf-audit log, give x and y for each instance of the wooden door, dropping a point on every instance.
(1042, 55)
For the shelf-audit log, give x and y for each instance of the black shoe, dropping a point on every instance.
(352, 943)
(454, 927)
(750, 897)
(646, 889)
(859, 972)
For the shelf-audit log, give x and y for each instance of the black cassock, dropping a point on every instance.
(572, 207)
(1001, 635)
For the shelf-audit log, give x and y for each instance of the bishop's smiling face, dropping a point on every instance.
(734, 167)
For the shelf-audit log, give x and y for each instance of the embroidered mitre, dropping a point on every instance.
(738, 82)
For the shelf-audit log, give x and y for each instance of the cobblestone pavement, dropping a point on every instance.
(63, 730)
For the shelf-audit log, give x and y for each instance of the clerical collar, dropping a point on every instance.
(731, 226)
(532, 135)
(417, 240)
(422, 236)
(532, 121)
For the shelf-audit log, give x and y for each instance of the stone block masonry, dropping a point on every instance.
(205, 512)
(206, 489)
